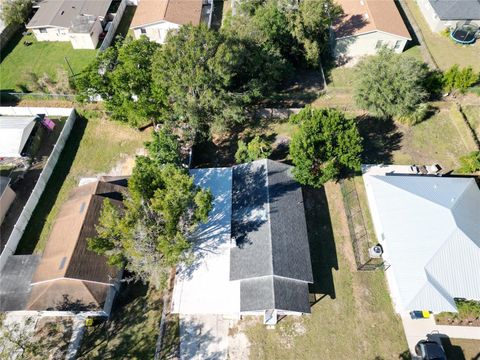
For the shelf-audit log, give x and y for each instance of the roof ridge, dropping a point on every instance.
(166, 9)
(32, 302)
(268, 217)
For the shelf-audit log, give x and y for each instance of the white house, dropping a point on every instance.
(442, 14)
(14, 134)
(365, 26)
(155, 18)
(79, 21)
(428, 227)
(252, 257)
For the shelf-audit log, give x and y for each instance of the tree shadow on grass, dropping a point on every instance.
(322, 244)
(380, 139)
(34, 227)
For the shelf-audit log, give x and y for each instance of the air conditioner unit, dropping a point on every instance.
(375, 251)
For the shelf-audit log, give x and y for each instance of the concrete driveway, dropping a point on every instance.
(204, 337)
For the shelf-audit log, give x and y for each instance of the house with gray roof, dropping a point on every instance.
(428, 227)
(79, 21)
(252, 257)
(442, 14)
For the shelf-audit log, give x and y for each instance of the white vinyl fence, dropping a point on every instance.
(32, 202)
(113, 29)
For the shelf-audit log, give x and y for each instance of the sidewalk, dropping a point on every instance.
(416, 330)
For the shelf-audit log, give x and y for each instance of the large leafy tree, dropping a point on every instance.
(391, 85)
(209, 78)
(298, 30)
(325, 143)
(150, 235)
(122, 76)
(257, 148)
(15, 11)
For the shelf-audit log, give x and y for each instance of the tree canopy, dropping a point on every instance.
(388, 84)
(150, 234)
(325, 142)
(257, 148)
(207, 79)
(298, 30)
(122, 76)
(16, 11)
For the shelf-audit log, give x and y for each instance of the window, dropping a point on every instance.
(42, 30)
(143, 31)
(379, 44)
(397, 44)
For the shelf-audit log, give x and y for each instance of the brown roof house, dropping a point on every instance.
(69, 276)
(365, 26)
(155, 18)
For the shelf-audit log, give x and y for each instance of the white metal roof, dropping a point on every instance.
(14, 133)
(430, 229)
(203, 286)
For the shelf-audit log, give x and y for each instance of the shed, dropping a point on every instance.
(14, 134)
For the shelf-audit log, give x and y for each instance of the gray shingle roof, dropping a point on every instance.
(60, 13)
(272, 255)
(457, 9)
(272, 292)
(268, 223)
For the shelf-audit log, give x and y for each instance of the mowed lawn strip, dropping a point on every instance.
(358, 322)
(94, 146)
(445, 52)
(46, 57)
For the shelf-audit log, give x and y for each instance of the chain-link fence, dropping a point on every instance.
(361, 239)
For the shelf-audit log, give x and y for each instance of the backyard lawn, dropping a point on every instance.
(354, 320)
(445, 52)
(19, 60)
(132, 330)
(94, 146)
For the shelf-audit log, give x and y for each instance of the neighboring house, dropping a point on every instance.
(155, 18)
(442, 14)
(252, 256)
(69, 276)
(7, 195)
(428, 227)
(365, 26)
(14, 134)
(79, 21)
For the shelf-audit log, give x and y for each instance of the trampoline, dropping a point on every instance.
(464, 33)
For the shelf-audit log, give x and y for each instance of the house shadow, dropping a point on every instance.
(380, 139)
(47, 200)
(322, 244)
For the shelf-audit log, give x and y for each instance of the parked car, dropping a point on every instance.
(430, 350)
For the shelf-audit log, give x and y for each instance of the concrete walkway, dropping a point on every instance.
(416, 330)
(78, 329)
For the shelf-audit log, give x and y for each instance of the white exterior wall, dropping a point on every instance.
(87, 40)
(156, 32)
(5, 201)
(433, 21)
(357, 46)
(52, 34)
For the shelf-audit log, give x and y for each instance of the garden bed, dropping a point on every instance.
(468, 314)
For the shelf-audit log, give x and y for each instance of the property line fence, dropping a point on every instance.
(357, 227)
(113, 29)
(23, 219)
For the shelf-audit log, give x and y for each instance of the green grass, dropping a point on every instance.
(94, 146)
(472, 112)
(40, 58)
(132, 330)
(357, 322)
(445, 52)
(440, 139)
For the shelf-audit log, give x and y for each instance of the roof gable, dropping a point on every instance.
(14, 133)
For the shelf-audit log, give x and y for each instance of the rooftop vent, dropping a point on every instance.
(365, 15)
(62, 263)
(82, 207)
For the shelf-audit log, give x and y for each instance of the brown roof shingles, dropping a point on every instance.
(179, 12)
(364, 16)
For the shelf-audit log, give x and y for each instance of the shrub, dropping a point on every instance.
(468, 309)
(417, 116)
(257, 148)
(470, 163)
(459, 79)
